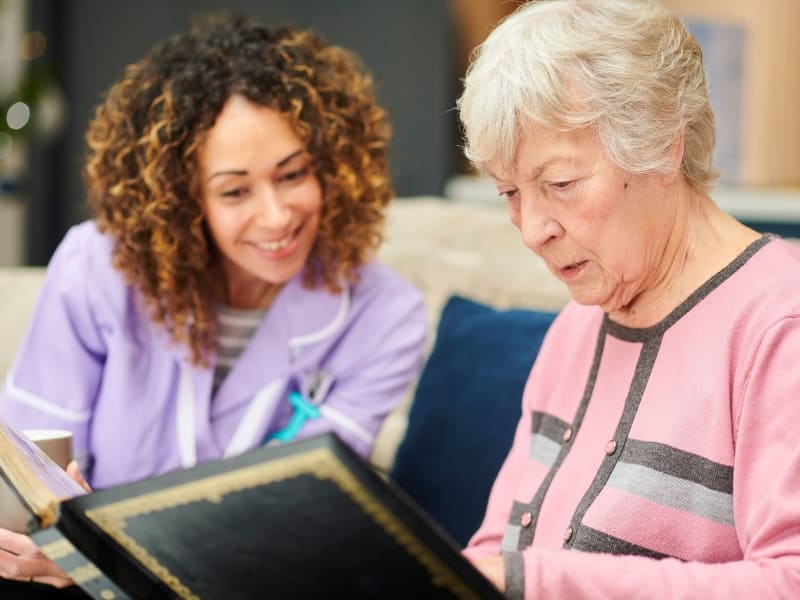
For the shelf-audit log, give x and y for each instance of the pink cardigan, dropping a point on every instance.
(661, 462)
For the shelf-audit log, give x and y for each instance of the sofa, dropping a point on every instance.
(489, 302)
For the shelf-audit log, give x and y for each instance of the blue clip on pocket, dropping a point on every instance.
(303, 410)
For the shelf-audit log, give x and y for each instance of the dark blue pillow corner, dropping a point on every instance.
(466, 408)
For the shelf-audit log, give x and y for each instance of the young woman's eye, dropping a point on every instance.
(295, 175)
(233, 193)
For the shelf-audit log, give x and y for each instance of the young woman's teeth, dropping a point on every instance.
(276, 245)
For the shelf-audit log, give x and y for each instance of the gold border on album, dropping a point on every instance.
(321, 463)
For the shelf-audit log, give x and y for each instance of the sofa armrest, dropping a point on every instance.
(19, 289)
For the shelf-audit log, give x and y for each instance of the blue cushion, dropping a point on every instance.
(465, 410)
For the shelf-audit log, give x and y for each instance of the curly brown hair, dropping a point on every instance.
(141, 171)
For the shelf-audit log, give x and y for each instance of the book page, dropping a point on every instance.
(39, 482)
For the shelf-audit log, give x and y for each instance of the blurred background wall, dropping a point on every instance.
(57, 57)
(751, 51)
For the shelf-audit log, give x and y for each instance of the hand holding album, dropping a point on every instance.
(74, 471)
(20, 558)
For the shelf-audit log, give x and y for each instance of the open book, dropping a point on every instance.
(308, 519)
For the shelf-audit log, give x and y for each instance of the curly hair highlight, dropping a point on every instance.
(141, 170)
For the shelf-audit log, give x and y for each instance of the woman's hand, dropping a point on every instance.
(74, 471)
(494, 569)
(20, 559)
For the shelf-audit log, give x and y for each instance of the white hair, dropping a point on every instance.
(627, 69)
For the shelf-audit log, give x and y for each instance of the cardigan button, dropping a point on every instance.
(567, 534)
(526, 519)
(611, 447)
(567, 435)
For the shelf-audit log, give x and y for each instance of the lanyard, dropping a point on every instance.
(303, 410)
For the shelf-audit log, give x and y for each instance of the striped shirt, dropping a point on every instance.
(236, 327)
(649, 462)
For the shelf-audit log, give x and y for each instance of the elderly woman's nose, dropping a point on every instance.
(536, 225)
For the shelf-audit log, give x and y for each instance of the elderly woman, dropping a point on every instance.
(657, 455)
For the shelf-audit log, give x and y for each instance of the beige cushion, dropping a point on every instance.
(471, 249)
(19, 288)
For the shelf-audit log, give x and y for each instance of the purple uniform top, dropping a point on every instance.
(93, 362)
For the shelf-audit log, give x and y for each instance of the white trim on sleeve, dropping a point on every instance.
(184, 419)
(346, 422)
(252, 421)
(40, 404)
(298, 342)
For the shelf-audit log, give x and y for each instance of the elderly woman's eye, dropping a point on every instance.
(512, 201)
(562, 185)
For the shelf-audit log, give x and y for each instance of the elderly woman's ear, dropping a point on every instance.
(675, 152)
